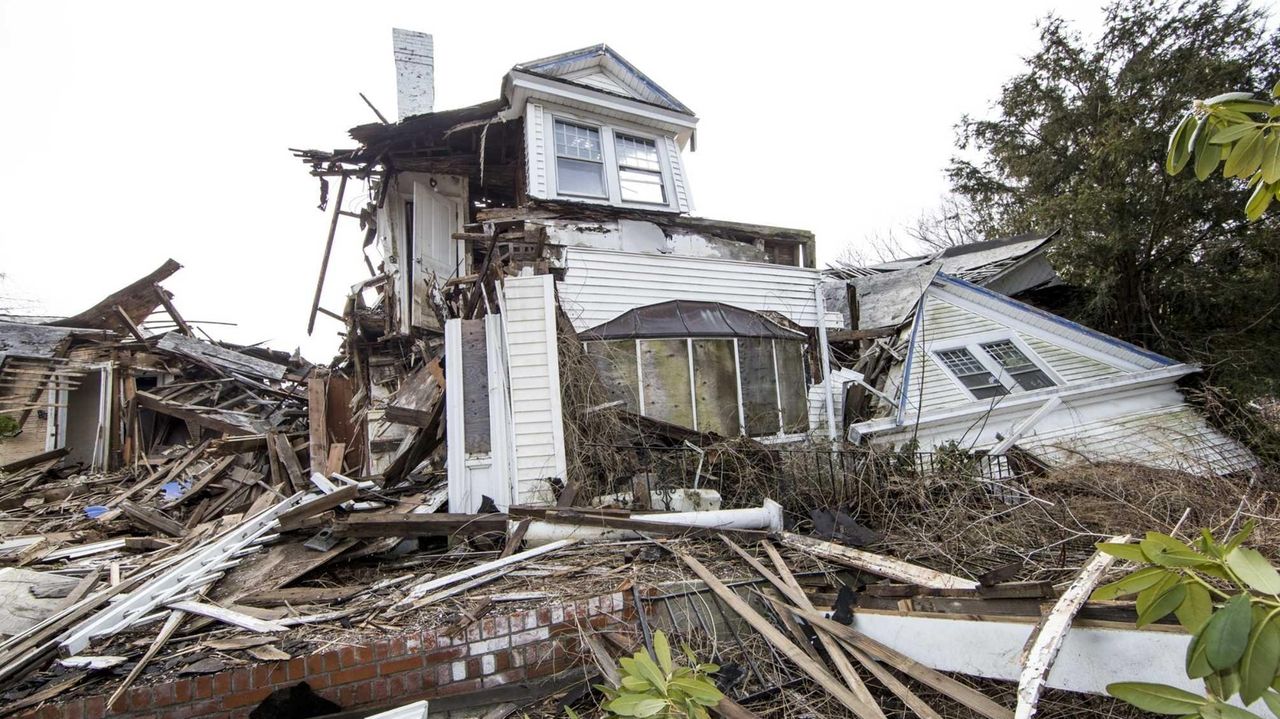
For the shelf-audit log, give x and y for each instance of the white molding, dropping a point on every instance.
(523, 86)
(535, 151)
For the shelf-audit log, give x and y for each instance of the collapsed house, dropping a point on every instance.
(948, 358)
(201, 530)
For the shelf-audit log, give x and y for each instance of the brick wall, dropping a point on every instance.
(424, 664)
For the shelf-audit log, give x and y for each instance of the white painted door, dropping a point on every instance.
(435, 220)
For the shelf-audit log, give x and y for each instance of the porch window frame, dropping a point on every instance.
(976, 346)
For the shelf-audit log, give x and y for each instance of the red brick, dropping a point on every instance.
(445, 655)
(296, 670)
(462, 687)
(397, 647)
(347, 657)
(207, 708)
(95, 707)
(320, 681)
(364, 654)
(202, 687)
(183, 689)
(346, 696)
(332, 661)
(364, 693)
(162, 695)
(544, 616)
(501, 661)
(74, 710)
(139, 700)
(355, 674)
(251, 697)
(241, 680)
(395, 666)
(222, 684)
(501, 678)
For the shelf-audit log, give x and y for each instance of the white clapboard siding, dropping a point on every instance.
(536, 414)
(1171, 437)
(535, 151)
(944, 321)
(599, 285)
(1071, 366)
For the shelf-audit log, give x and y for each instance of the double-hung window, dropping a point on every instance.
(579, 160)
(981, 382)
(639, 171)
(1024, 372)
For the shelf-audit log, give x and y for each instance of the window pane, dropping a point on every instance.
(578, 177)
(975, 377)
(1032, 379)
(1007, 354)
(576, 141)
(641, 186)
(637, 153)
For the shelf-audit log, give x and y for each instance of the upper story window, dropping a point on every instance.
(574, 155)
(639, 171)
(579, 160)
(994, 369)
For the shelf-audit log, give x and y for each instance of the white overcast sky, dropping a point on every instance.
(136, 131)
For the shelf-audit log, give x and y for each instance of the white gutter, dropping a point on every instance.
(767, 517)
(1011, 404)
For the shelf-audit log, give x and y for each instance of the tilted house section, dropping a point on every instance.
(989, 373)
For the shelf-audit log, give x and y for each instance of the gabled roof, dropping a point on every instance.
(600, 67)
(689, 318)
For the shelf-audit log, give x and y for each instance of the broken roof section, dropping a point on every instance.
(689, 318)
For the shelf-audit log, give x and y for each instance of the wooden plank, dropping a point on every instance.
(420, 590)
(318, 432)
(328, 248)
(129, 324)
(209, 354)
(890, 682)
(151, 519)
(666, 384)
(295, 480)
(337, 451)
(229, 616)
(206, 477)
(336, 498)
(32, 460)
(975, 700)
(775, 637)
(414, 403)
(301, 595)
(515, 537)
(165, 302)
(1046, 639)
(877, 564)
(216, 422)
(171, 625)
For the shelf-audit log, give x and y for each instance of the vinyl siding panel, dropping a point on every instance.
(944, 322)
(1073, 367)
(538, 436)
(599, 285)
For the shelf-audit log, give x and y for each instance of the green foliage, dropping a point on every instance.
(1239, 132)
(1078, 142)
(1227, 597)
(8, 426)
(660, 688)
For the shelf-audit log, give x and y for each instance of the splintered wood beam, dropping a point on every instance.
(165, 302)
(1046, 639)
(129, 324)
(317, 402)
(877, 564)
(775, 637)
(295, 480)
(328, 248)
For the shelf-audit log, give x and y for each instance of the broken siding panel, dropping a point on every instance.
(1172, 437)
(1072, 366)
(536, 150)
(664, 374)
(535, 390)
(599, 285)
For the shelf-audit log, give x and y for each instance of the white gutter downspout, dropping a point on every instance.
(906, 366)
(766, 518)
(826, 361)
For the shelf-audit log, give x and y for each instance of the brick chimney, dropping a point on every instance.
(415, 72)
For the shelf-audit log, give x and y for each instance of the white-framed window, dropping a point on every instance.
(579, 160)
(993, 367)
(578, 156)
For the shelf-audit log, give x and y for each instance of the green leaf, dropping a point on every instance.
(1179, 141)
(1165, 601)
(701, 690)
(633, 683)
(1207, 160)
(1257, 204)
(663, 651)
(1220, 710)
(1231, 133)
(650, 672)
(1129, 552)
(1157, 698)
(1261, 659)
(1223, 684)
(636, 705)
(1272, 700)
(1228, 97)
(1245, 156)
(1254, 570)
(1248, 106)
(1196, 608)
(1227, 633)
(1239, 537)
(1197, 663)
(1168, 552)
(1132, 584)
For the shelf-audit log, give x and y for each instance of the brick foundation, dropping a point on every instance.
(423, 664)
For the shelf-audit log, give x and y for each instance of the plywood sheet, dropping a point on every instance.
(759, 386)
(664, 370)
(615, 360)
(715, 384)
